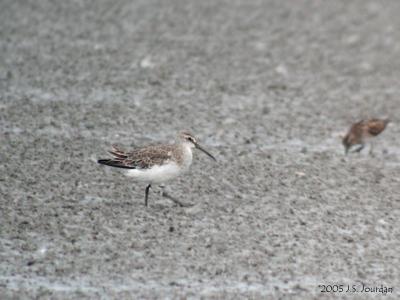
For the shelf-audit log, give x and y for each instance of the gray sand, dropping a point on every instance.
(266, 86)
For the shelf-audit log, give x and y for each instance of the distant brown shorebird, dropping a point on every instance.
(361, 131)
(156, 164)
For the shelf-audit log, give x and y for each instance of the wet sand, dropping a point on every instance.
(266, 86)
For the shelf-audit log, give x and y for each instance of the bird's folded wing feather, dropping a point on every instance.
(142, 158)
(375, 127)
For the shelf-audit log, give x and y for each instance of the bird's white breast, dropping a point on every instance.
(157, 173)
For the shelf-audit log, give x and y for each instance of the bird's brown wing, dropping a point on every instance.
(357, 128)
(375, 126)
(142, 158)
(354, 136)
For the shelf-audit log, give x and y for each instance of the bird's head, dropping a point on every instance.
(188, 139)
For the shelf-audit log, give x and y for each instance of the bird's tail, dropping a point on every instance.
(107, 162)
(118, 159)
(117, 153)
(114, 163)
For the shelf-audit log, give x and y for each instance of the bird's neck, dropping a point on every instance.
(187, 155)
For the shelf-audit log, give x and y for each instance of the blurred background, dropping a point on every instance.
(267, 86)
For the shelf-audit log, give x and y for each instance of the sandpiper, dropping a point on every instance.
(361, 131)
(156, 164)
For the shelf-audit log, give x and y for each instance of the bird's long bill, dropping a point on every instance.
(205, 151)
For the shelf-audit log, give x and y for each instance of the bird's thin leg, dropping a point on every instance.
(371, 149)
(146, 197)
(168, 196)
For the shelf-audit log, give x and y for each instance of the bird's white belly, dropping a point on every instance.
(156, 174)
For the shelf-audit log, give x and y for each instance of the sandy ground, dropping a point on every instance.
(266, 86)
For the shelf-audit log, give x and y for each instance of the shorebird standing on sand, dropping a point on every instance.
(361, 131)
(156, 164)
